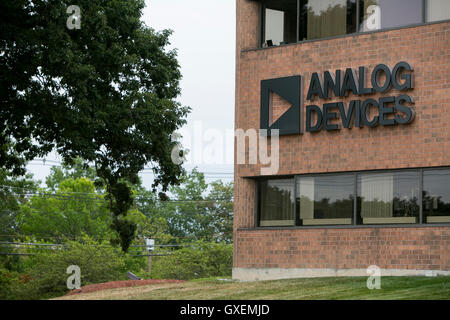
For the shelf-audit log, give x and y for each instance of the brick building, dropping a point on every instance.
(359, 91)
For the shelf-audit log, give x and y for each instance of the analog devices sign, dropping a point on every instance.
(390, 109)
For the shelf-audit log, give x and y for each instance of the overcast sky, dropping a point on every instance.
(204, 35)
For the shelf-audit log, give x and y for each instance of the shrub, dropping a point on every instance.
(7, 278)
(201, 260)
(98, 262)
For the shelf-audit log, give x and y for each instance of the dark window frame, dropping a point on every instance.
(258, 191)
(356, 217)
(422, 184)
(297, 177)
(261, 25)
(417, 171)
(259, 185)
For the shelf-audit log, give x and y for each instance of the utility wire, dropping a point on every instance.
(96, 195)
(145, 168)
(63, 245)
(63, 237)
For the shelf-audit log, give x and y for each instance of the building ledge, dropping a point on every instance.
(258, 274)
(358, 226)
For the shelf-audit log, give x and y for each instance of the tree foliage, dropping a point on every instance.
(13, 192)
(78, 169)
(105, 92)
(201, 260)
(98, 262)
(198, 210)
(75, 209)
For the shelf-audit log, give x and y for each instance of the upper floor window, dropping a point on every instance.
(289, 21)
(326, 18)
(383, 14)
(437, 10)
(280, 20)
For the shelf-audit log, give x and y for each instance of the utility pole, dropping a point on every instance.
(150, 243)
(149, 268)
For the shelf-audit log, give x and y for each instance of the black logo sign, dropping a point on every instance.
(392, 110)
(289, 89)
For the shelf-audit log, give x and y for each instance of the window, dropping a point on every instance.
(277, 203)
(359, 198)
(389, 197)
(289, 21)
(436, 195)
(325, 200)
(382, 14)
(438, 10)
(326, 18)
(280, 19)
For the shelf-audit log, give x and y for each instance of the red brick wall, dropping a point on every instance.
(423, 143)
(388, 248)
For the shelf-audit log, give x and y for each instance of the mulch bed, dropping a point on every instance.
(119, 284)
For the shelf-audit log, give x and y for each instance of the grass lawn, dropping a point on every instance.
(392, 288)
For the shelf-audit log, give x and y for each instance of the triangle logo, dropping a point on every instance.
(289, 89)
(277, 107)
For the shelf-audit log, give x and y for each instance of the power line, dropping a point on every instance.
(97, 197)
(64, 237)
(33, 189)
(55, 246)
(25, 244)
(145, 168)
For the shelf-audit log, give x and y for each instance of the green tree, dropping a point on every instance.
(78, 169)
(200, 260)
(13, 194)
(105, 92)
(220, 211)
(75, 209)
(150, 227)
(197, 210)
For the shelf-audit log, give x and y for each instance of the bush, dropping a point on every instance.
(7, 278)
(201, 260)
(98, 262)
